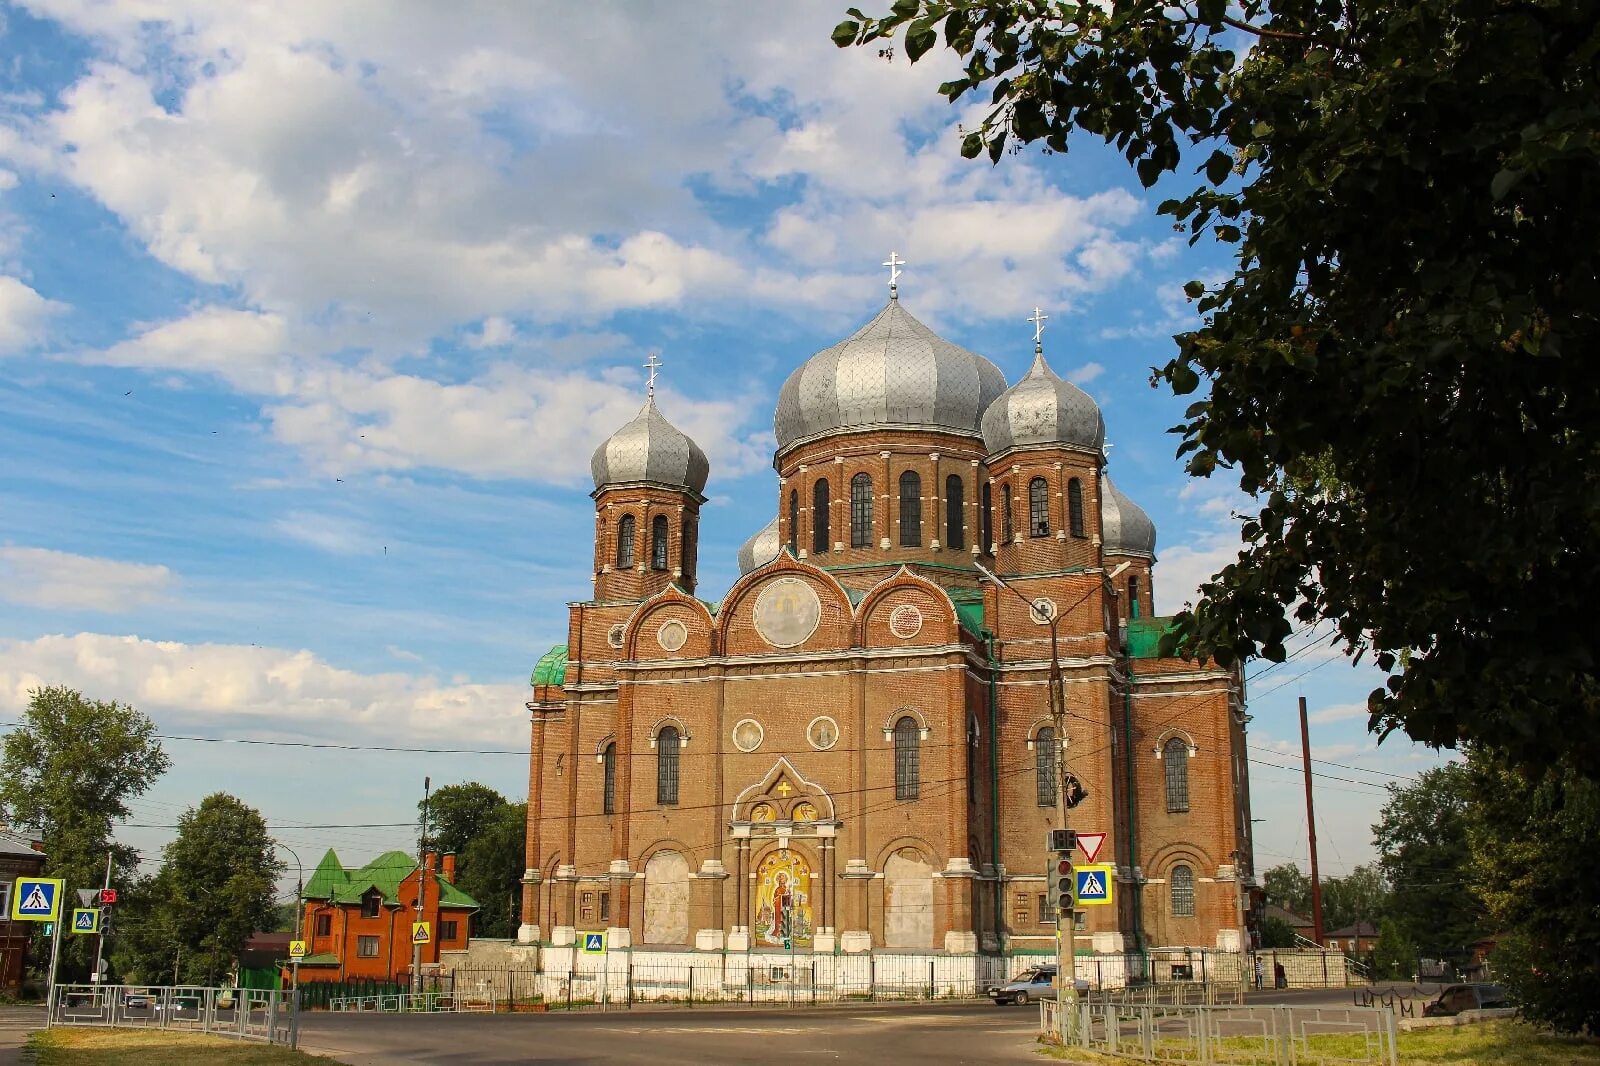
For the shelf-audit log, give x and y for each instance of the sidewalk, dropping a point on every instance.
(15, 1025)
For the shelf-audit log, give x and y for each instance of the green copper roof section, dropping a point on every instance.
(324, 959)
(971, 616)
(551, 669)
(385, 874)
(1144, 636)
(327, 878)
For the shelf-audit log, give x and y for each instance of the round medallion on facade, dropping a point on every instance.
(747, 735)
(1044, 611)
(905, 621)
(787, 612)
(672, 635)
(823, 733)
(614, 635)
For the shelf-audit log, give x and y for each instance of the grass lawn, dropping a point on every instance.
(125, 1047)
(1485, 1044)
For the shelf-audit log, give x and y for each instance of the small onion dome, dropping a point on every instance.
(1126, 529)
(893, 372)
(759, 549)
(1043, 409)
(650, 449)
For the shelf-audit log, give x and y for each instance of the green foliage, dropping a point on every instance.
(1399, 371)
(1362, 895)
(1422, 838)
(457, 813)
(66, 772)
(491, 871)
(1290, 889)
(1277, 933)
(1395, 957)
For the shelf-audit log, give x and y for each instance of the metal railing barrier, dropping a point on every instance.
(266, 1015)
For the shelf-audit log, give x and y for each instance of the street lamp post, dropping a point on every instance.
(299, 908)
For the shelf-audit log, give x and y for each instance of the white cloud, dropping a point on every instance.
(56, 580)
(23, 315)
(496, 332)
(1085, 373)
(233, 687)
(1342, 712)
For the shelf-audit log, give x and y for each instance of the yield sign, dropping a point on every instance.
(1090, 844)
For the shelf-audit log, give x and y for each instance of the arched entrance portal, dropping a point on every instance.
(783, 916)
(666, 898)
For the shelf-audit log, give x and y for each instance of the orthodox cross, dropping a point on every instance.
(1038, 319)
(894, 263)
(784, 788)
(652, 364)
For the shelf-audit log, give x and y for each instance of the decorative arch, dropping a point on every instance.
(1038, 724)
(638, 623)
(737, 603)
(669, 720)
(1175, 732)
(901, 712)
(767, 787)
(600, 747)
(902, 578)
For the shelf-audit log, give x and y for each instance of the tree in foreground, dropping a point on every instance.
(1400, 369)
(1395, 957)
(1421, 837)
(67, 772)
(1289, 888)
(488, 835)
(458, 813)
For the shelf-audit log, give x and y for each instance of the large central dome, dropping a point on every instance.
(893, 372)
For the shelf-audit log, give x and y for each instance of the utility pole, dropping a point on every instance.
(100, 937)
(422, 889)
(1311, 827)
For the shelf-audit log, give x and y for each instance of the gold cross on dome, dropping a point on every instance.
(1038, 319)
(784, 788)
(652, 364)
(894, 263)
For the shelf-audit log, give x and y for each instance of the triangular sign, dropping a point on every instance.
(1090, 844)
(36, 900)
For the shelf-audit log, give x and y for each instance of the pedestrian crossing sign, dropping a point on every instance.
(36, 899)
(594, 943)
(421, 933)
(85, 919)
(1094, 885)
(297, 949)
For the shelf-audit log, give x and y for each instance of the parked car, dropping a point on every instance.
(138, 999)
(1029, 985)
(1453, 999)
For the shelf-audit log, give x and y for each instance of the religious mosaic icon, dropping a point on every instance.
(787, 612)
(783, 900)
(763, 812)
(804, 812)
(1043, 611)
(614, 635)
(671, 635)
(905, 621)
(747, 735)
(823, 733)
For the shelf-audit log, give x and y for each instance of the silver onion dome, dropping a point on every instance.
(650, 449)
(893, 371)
(1125, 528)
(760, 549)
(1043, 409)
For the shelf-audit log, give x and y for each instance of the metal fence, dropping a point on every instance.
(265, 1015)
(1236, 1036)
(418, 1002)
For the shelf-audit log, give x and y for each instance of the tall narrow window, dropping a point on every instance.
(910, 510)
(668, 741)
(1008, 531)
(955, 522)
(1175, 754)
(972, 760)
(658, 542)
(625, 542)
(794, 521)
(1045, 753)
(1075, 507)
(1038, 508)
(608, 795)
(861, 511)
(1133, 597)
(986, 519)
(907, 752)
(819, 517)
(1182, 892)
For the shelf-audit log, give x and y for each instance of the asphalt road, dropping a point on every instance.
(954, 1033)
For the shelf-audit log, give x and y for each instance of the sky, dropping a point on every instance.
(311, 315)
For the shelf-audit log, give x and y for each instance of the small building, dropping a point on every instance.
(18, 858)
(1302, 927)
(359, 924)
(1355, 940)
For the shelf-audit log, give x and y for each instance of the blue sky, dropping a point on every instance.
(311, 314)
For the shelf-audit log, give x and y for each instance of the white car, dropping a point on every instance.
(1029, 985)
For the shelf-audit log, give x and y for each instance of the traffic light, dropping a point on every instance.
(1063, 883)
(105, 920)
(1063, 841)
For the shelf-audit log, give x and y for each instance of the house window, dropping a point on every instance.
(861, 511)
(1175, 754)
(324, 925)
(1038, 508)
(1133, 597)
(819, 517)
(448, 930)
(370, 904)
(907, 750)
(1047, 914)
(1007, 530)
(658, 542)
(1080, 921)
(955, 525)
(794, 521)
(1182, 892)
(910, 510)
(986, 520)
(668, 742)
(1021, 914)
(367, 947)
(1075, 507)
(605, 906)
(625, 542)
(608, 794)
(1045, 751)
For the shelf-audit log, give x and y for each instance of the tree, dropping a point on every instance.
(1290, 889)
(458, 813)
(491, 871)
(1362, 895)
(1395, 956)
(1402, 357)
(1421, 836)
(67, 771)
(1277, 933)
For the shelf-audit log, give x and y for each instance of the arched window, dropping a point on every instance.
(1038, 508)
(625, 542)
(794, 521)
(1182, 892)
(986, 520)
(1133, 597)
(1007, 529)
(658, 542)
(1045, 753)
(1075, 507)
(861, 511)
(910, 510)
(608, 796)
(907, 750)
(955, 524)
(972, 759)
(1175, 754)
(668, 741)
(819, 517)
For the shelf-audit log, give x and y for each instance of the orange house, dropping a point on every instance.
(358, 924)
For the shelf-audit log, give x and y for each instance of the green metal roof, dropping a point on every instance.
(1144, 636)
(551, 668)
(969, 608)
(327, 878)
(323, 959)
(332, 883)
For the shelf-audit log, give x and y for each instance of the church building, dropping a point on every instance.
(852, 749)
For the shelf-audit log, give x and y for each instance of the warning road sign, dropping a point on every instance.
(593, 943)
(85, 920)
(36, 899)
(297, 949)
(1090, 844)
(421, 933)
(1094, 885)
